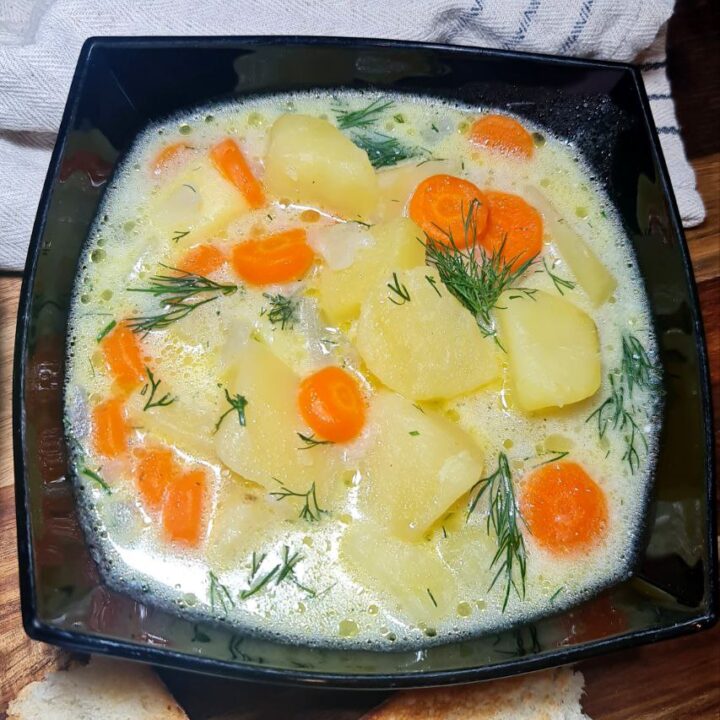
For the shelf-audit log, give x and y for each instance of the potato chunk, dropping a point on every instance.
(197, 201)
(410, 575)
(418, 464)
(395, 247)
(593, 276)
(268, 446)
(309, 161)
(553, 350)
(428, 347)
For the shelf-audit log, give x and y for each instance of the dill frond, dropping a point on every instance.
(362, 118)
(311, 441)
(238, 403)
(561, 284)
(283, 310)
(384, 150)
(153, 385)
(219, 595)
(284, 570)
(97, 478)
(310, 510)
(399, 290)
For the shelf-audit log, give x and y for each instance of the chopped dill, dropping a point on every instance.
(414, 433)
(561, 284)
(238, 403)
(384, 150)
(153, 385)
(219, 595)
(284, 570)
(400, 290)
(106, 330)
(504, 519)
(432, 597)
(362, 118)
(180, 234)
(433, 284)
(637, 368)
(553, 597)
(283, 310)
(311, 441)
(310, 510)
(399, 118)
(175, 293)
(557, 456)
(434, 128)
(95, 477)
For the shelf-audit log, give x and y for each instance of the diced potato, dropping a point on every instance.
(396, 247)
(268, 446)
(309, 161)
(397, 184)
(401, 571)
(418, 464)
(428, 347)
(593, 276)
(245, 518)
(468, 553)
(198, 201)
(552, 347)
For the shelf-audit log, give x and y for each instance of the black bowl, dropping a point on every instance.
(122, 84)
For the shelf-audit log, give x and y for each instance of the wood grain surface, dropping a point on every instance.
(674, 680)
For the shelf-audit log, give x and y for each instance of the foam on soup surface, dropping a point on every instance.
(358, 370)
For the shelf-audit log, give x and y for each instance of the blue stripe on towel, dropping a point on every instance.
(653, 65)
(578, 27)
(527, 16)
(659, 96)
(668, 130)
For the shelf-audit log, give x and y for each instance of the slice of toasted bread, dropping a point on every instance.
(548, 695)
(102, 690)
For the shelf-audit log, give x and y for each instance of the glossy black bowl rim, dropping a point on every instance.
(88, 643)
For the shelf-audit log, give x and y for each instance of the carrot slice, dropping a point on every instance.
(564, 508)
(154, 474)
(230, 161)
(448, 207)
(110, 428)
(513, 226)
(331, 403)
(182, 508)
(123, 356)
(202, 260)
(277, 258)
(503, 133)
(169, 154)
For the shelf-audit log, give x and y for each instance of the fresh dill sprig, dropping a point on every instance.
(618, 411)
(504, 520)
(219, 595)
(283, 310)
(180, 234)
(561, 284)
(362, 118)
(284, 570)
(310, 510)
(557, 456)
(477, 282)
(384, 150)
(95, 477)
(433, 284)
(175, 293)
(311, 441)
(238, 403)
(153, 385)
(106, 330)
(398, 289)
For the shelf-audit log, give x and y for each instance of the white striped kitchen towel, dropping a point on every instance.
(40, 41)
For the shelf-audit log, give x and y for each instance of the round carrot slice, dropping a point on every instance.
(514, 228)
(564, 508)
(168, 155)
(110, 428)
(449, 210)
(123, 356)
(503, 133)
(332, 405)
(277, 258)
(201, 260)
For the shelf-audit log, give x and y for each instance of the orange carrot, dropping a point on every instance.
(447, 207)
(503, 133)
(202, 260)
(514, 226)
(123, 356)
(564, 508)
(154, 473)
(332, 404)
(277, 258)
(230, 161)
(110, 429)
(182, 508)
(168, 155)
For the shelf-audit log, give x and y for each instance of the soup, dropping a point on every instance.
(362, 371)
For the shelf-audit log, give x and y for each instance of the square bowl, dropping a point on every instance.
(121, 85)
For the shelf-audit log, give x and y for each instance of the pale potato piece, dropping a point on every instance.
(396, 246)
(397, 184)
(403, 572)
(553, 350)
(198, 201)
(428, 347)
(268, 447)
(468, 553)
(418, 464)
(309, 161)
(594, 278)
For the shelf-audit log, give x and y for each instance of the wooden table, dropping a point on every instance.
(676, 680)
